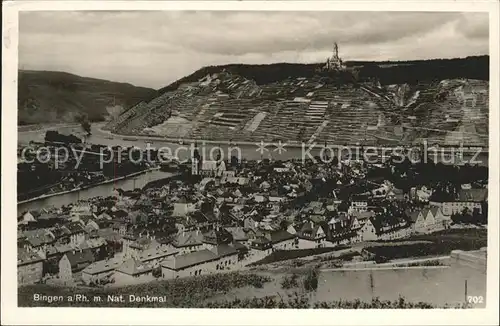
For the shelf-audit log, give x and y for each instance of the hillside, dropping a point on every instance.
(388, 72)
(50, 97)
(444, 101)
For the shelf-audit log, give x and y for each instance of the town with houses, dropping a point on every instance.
(258, 171)
(225, 215)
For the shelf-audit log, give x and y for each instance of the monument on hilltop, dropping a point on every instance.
(334, 63)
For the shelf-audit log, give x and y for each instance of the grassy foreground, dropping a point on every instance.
(195, 292)
(184, 292)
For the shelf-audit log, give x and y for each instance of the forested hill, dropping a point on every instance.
(52, 96)
(387, 72)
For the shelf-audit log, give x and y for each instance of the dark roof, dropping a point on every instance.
(74, 227)
(345, 233)
(261, 240)
(25, 257)
(199, 217)
(310, 230)
(381, 229)
(473, 195)
(119, 214)
(279, 236)
(238, 246)
(340, 231)
(413, 216)
(38, 237)
(238, 233)
(434, 211)
(216, 237)
(59, 232)
(85, 218)
(35, 214)
(79, 257)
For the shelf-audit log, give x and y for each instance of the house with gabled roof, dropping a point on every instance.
(100, 271)
(38, 240)
(429, 220)
(467, 198)
(73, 262)
(311, 235)
(29, 267)
(294, 228)
(189, 264)
(133, 271)
(104, 216)
(362, 217)
(28, 217)
(216, 237)
(280, 239)
(75, 232)
(188, 241)
(378, 228)
(206, 261)
(342, 229)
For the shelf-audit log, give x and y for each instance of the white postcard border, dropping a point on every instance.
(12, 315)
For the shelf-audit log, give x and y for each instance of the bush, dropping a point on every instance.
(297, 301)
(257, 283)
(183, 292)
(290, 282)
(423, 263)
(156, 272)
(311, 280)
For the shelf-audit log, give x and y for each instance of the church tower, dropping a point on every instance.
(196, 161)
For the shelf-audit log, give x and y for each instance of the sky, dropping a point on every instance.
(155, 48)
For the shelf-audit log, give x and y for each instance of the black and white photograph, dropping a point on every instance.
(253, 159)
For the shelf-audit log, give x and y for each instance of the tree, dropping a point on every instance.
(301, 134)
(456, 218)
(477, 217)
(311, 280)
(156, 272)
(335, 160)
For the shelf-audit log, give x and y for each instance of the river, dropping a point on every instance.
(247, 151)
(104, 190)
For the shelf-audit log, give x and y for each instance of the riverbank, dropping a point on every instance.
(42, 127)
(87, 186)
(290, 143)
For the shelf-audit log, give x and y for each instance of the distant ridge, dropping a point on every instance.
(53, 96)
(388, 72)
